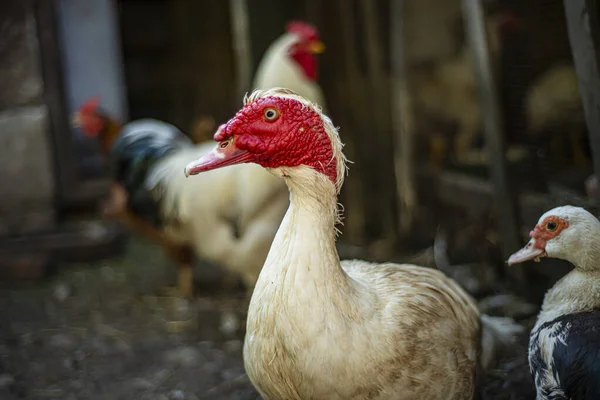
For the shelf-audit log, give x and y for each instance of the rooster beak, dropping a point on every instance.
(529, 252)
(316, 47)
(225, 154)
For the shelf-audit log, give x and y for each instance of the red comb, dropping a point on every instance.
(90, 105)
(306, 30)
(88, 119)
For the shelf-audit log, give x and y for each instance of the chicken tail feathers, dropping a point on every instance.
(135, 159)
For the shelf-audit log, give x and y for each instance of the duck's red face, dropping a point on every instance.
(274, 132)
(546, 229)
(303, 52)
(88, 118)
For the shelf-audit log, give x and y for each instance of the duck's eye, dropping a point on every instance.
(225, 143)
(551, 226)
(271, 114)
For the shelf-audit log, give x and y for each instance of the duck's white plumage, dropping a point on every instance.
(319, 328)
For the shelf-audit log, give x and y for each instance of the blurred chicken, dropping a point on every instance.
(448, 92)
(290, 62)
(554, 109)
(228, 217)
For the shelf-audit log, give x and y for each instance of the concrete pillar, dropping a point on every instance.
(27, 186)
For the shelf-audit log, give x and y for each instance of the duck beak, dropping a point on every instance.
(529, 252)
(225, 154)
(316, 47)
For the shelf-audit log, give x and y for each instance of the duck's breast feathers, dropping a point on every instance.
(564, 356)
(425, 293)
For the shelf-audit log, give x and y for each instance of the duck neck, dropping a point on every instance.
(587, 261)
(303, 259)
(578, 291)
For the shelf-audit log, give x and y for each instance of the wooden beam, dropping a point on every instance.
(476, 195)
(402, 123)
(378, 104)
(509, 222)
(240, 28)
(583, 28)
(354, 122)
(66, 163)
(314, 12)
(77, 242)
(24, 266)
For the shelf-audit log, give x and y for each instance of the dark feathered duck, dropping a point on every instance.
(564, 345)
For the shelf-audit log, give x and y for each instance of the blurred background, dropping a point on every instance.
(464, 121)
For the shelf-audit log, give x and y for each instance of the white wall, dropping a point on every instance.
(92, 59)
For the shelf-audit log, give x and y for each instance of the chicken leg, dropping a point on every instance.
(184, 258)
(185, 287)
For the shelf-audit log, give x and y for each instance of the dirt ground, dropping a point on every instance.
(100, 332)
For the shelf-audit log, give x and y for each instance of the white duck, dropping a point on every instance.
(319, 328)
(564, 350)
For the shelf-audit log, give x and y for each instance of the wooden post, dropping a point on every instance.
(351, 90)
(584, 28)
(378, 106)
(314, 11)
(508, 222)
(241, 46)
(402, 122)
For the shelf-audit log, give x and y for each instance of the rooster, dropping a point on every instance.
(290, 62)
(228, 218)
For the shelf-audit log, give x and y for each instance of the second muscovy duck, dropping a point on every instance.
(321, 328)
(564, 355)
